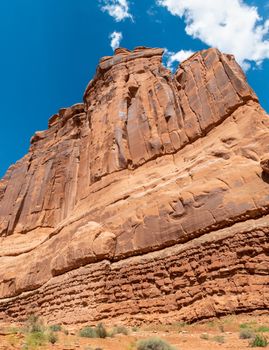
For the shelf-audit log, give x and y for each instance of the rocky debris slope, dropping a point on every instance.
(148, 200)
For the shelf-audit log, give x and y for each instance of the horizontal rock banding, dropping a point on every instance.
(221, 273)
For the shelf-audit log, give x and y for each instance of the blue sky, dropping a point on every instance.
(50, 49)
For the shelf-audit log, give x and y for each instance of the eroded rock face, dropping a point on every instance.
(149, 198)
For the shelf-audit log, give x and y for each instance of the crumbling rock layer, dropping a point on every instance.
(147, 202)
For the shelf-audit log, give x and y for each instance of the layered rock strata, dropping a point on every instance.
(148, 200)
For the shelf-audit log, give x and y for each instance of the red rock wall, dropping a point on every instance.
(218, 274)
(148, 161)
(134, 111)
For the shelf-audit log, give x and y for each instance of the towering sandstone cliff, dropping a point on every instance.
(149, 201)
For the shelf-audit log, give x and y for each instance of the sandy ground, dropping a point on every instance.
(220, 334)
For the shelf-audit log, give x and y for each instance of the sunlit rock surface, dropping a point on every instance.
(149, 201)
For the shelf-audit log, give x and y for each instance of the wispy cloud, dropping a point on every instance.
(118, 9)
(230, 25)
(173, 58)
(115, 38)
(151, 11)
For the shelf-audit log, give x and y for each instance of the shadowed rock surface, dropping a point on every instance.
(149, 201)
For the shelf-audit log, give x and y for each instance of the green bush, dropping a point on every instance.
(34, 324)
(246, 334)
(244, 325)
(154, 344)
(119, 330)
(35, 335)
(101, 331)
(259, 341)
(135, 329)
(94, 332)
(52, 338)
(221, 328)
(88, 332)
(219, 339)
(35, 339)
(14, 330)
(55, 328)
(263, 329)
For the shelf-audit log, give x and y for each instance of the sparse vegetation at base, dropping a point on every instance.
(34, 339)
(244, 325)
(154, 344)
(52, 338)
(259, 341)
(87, 332)
(94, 332)
(262, 329)
(119, 330)
(219, 339)
(246, 334)
(204, 336)
(101, 331)
(35, 334)
(135, 329)
(34, 324)
(55, 328)
(248, 325)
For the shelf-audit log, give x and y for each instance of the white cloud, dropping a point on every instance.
(116, 38)
(230, 25)
(118, 9)
(176, 57)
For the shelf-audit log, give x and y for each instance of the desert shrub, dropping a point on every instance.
(52, 338)
(101, 331)
(35, 335)
(204, 336)
(221, 328)
(35, 339)
(135, 329)
(154, 344)
(34, 324)
(219, 339)
(94, 332)
(246, 334)
(244, 325)
(119, 330)
(88, 332)
(259, 341)
(55, 328)
(211, 324)
(14, 330)
(248, 325)
(263, 329)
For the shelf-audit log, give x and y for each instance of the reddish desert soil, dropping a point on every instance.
(181, 336)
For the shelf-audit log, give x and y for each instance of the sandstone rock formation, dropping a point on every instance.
(149, 201)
